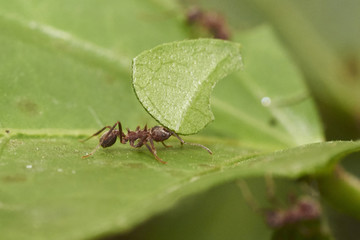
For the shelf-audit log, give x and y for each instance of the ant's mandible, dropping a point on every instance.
(137, 138)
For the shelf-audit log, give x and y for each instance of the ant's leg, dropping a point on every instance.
(193, 144)
(95, 134)
(140, 142)
(122, 135)
(153, 151)
(167, 146)
(110, 131)
(92, 152)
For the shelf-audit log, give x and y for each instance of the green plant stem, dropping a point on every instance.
(342, 190)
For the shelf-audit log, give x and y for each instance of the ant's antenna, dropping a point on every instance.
(199, 145)
(193, 144)
(95, 134)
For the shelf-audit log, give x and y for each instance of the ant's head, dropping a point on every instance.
(160, 134)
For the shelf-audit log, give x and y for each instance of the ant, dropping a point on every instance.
(137, 138)
(301, 219)
(212, 22)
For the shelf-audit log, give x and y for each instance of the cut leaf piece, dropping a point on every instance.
(174, 81)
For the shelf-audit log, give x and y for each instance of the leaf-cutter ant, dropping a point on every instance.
(212, 22)
(300, 218)
(137, 138)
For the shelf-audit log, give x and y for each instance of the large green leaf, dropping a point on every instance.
(61, 76)
(52, 193)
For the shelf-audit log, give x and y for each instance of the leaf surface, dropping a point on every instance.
(52, 187)
(63, 78)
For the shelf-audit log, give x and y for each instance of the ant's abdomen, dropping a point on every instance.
(108, 141)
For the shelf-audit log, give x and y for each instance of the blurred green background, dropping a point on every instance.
(322, 37)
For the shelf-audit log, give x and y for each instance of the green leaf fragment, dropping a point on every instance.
(174, 81)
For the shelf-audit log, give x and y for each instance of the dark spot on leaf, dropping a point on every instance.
(272, 122)
(7, 131)
(352, 64)
(14, 178)
(28, 107)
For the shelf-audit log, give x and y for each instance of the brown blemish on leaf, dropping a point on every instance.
(28, 107)
(353, 65)
(14, 178)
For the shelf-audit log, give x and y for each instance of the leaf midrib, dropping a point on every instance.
(46, 36)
